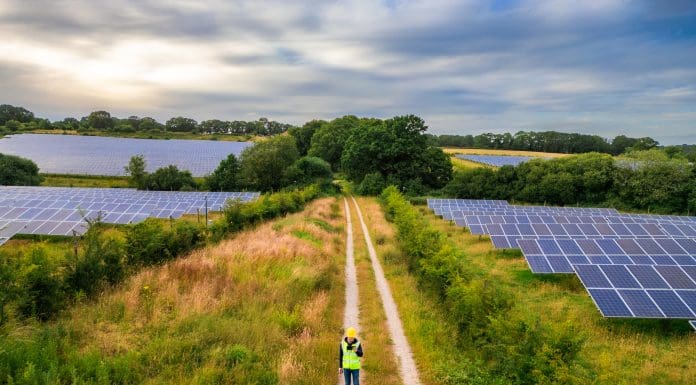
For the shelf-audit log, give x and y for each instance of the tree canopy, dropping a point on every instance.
(263, 165)
(226, 175)
(329, 138)
(398, 151)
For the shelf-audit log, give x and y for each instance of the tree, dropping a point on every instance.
(148, 123)
(20, 114)
(399, 150)
(13, 125)
(303, 135)
(328, 140)
(136, 170)
(100, 120)
(181, 124)
(263, 165)
(214, 126)
(307, 170)
(226, 175)
(170, 178)
(69, 124)
(16, 171)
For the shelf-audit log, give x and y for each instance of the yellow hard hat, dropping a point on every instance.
(350, 332)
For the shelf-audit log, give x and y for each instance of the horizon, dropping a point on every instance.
(604, 68)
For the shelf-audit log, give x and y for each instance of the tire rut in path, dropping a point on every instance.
(402, 349)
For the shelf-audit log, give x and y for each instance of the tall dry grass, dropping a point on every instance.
(262, 306)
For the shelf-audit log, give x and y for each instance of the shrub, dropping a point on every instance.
(41, 292)
(16, 171)
(100, 263)
(149, 243)
(170, 178)
(146, 243)
(238, 215)
(372, 184)
(307, 170)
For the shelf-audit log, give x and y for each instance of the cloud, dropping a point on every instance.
(607, 67)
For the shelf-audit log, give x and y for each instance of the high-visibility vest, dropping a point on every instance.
(350, 357)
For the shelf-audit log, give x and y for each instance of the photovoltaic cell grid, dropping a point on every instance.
(91, 155)
(632, 265)
(62, 211)
(495, 160)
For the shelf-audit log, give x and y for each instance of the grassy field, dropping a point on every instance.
(264, 307)
(463, 164)
(615, 351)
(62, 180)
(59, 180)
(153, 135)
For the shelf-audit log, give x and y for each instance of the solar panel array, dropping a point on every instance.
(92, 155)
(496, 160)
(632, 265)
(62, 211)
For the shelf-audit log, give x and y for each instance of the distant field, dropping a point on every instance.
(463, 164)
(483, 151)
(61, 180)
(58, 180)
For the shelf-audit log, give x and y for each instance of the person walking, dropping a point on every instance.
(349, 353)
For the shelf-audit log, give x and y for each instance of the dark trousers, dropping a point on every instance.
(352, 373)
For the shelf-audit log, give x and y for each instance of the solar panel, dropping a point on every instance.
(609, 303)
(621, 292)
(496, 160)
(60, 211)
(90, 155)
(633, 265)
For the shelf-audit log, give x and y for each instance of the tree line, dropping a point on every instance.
(547, 141)
(648, 180)
(372, 153)
(15, 119)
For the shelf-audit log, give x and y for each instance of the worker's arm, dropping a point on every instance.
(359, 352)
(340, 356)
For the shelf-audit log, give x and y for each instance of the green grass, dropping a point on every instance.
(61, 180)
(306, 236)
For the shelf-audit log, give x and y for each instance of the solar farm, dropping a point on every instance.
(632, 265)
(65, 211)
(91, 155)
(496, 160)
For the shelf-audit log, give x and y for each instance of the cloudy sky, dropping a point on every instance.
(601, 66)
